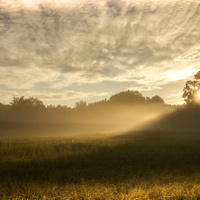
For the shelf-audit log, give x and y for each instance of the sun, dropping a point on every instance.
(198, 94)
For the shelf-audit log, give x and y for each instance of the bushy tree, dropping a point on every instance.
(26, 109)
(26, 103)
(127, 97)
(157, 99)
(191, 91)
(80, 105)
(133, 97)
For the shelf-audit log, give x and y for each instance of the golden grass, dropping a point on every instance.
(143, 165)
(97, 191)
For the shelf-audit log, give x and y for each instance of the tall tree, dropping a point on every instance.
(191, 91)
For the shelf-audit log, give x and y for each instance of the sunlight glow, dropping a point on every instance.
(181, 74)
(198, 94)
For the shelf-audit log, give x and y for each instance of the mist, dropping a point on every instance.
(125, 111)
(116, 119)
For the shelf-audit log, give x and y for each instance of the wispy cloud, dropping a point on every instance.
(61, 43)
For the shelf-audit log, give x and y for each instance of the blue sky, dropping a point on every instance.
(65, 51)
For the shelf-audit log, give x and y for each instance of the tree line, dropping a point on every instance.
(31, 109)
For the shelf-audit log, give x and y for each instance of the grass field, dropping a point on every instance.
(137, 165)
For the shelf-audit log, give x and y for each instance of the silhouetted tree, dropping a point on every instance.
(127, 97)
(1, 106)
(197, 75)
(80, 105)
(4, 109)
(191, 90)
(26, 103)
(26, 109)
(156, 99)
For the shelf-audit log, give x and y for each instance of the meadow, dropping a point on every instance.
(132, 165)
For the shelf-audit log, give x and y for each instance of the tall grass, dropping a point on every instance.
(138, 165)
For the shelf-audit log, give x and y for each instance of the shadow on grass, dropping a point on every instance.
(140, 155)
(184, 118)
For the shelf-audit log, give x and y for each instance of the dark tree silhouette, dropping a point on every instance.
(26, 103)
(191, 91)
(127, 97)
(156, 99)
(134, 97)
(26, 109)
(80, 105)
(197, 75)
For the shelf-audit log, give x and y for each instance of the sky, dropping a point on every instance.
(64, 51)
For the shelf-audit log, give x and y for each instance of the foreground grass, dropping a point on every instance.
(140, 165)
